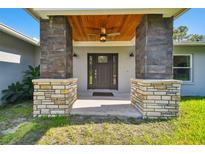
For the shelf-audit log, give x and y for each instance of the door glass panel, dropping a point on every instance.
(102, 59)
(90, 77)
(114, 76)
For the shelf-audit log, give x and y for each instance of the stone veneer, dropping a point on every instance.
(56, 60)
(154, 47)
(54, 96)
(156, 98)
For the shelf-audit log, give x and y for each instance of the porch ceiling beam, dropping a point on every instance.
(104, 44)
(44, 13)
(128, 43)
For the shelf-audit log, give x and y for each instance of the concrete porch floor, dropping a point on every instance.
(116, 106)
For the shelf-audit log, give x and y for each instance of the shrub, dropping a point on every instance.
(14, 93)
(24, 90)
(29, 75)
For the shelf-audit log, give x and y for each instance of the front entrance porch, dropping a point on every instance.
(153, 91)
(118, 105)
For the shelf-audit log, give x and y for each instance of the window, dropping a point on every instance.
(9, 57)
(102, 59)
(182, 67)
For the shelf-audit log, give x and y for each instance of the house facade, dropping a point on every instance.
(154, 92)
(118, 50)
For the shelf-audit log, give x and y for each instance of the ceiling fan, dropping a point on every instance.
(103, 34)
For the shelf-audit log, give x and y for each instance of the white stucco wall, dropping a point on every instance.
(12, 71)
(197, 86)
(126, 65)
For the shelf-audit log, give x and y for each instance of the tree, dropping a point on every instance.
(195, 38)
(180, 33)
(176, 35)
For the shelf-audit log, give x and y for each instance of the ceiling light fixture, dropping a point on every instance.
(103, 37)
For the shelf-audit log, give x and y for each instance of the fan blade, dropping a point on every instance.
(113, 34)
(92, 30)
(112, 29)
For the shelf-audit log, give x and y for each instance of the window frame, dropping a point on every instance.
(190, 67)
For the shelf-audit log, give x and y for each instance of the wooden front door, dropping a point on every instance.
(102, 71)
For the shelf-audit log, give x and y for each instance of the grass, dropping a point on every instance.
(188, 128)
(18, 110)
(12, 115)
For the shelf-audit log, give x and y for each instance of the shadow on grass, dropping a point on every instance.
(34, 130)
(193, 98)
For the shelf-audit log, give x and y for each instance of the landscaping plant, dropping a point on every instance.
(21, 90)
(14, 92)
(29, 75)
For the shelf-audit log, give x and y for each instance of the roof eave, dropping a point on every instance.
(32, 13)
(18, 35)
(190, 44)
(38, 16)
(178, 14)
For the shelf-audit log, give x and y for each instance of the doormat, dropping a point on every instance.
(102, 94)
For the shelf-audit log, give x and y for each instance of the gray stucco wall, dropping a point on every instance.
(11, 72)
(197, 86)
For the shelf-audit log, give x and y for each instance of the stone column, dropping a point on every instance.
(56, 48)
(154, 93)
(56, 94)
(154, 48)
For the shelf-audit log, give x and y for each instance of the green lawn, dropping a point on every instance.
(189, 128)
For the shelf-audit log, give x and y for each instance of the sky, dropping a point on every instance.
(194, 20)
(21, 21)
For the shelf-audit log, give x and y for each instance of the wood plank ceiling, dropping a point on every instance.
(85, 25)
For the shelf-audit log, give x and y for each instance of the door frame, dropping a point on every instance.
(116, 54)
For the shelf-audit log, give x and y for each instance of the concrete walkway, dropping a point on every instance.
(105, 106)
